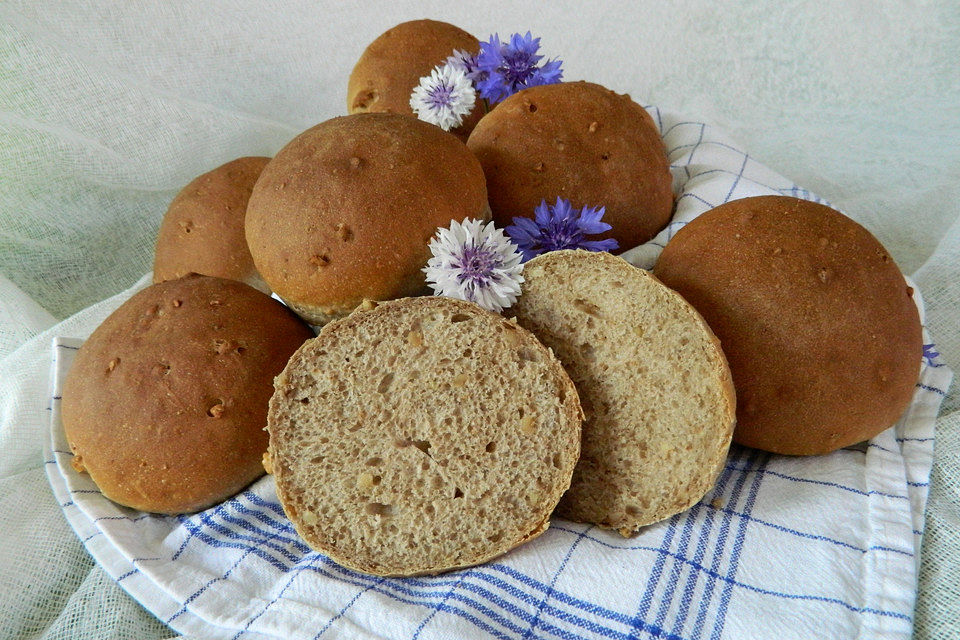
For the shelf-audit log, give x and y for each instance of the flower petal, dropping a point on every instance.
(590, 222)
(524, 232)
(561, 211)
(542, 214)
(600, 245)
(550, 73)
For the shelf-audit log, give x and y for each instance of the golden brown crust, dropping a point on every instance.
(391, 67)
(287, 450)
(818, 324)
(202, 231)
(347, 209)
(582, 142)
(166, 402)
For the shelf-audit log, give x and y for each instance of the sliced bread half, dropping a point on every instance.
(423, 435)
(655, 386)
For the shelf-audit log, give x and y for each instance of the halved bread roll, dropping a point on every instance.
(420, 436)
(655, 386)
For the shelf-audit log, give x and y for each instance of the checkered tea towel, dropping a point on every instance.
(781, 547)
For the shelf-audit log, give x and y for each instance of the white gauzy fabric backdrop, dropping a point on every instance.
(108, 108)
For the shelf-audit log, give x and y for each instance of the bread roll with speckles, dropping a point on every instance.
(392, 65)
(165, 403)
(202, 231)
(345, 212)
(582, 142)
(819, 326)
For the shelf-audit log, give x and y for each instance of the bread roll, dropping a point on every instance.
(818, 324)
(165, 403)
(424, 435)
(345, 212)
(202, 231)
(655, 387)
(392, 65)
(582, 142)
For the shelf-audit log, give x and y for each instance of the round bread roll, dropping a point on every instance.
(345, 212)
(166, 402)
(424, 435)
(654, 384)
(816, 320)
(202, 231)
(582, 142)
(392, 65)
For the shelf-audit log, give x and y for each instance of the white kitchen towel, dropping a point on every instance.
(782, 547)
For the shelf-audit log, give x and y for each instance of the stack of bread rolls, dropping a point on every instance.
(418, 434)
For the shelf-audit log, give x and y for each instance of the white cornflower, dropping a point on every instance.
(475, 262)
(444, 97)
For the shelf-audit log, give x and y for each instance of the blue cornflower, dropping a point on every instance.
(502, 69)
(560, 227)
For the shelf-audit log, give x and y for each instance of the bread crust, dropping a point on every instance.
(302, 379)
(817, 321)
(165, 403)
(347, 209)
(202, 231)
(639, 463)
(391, 66)
(582, 142)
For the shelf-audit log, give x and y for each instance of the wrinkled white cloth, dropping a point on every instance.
(107, 109)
